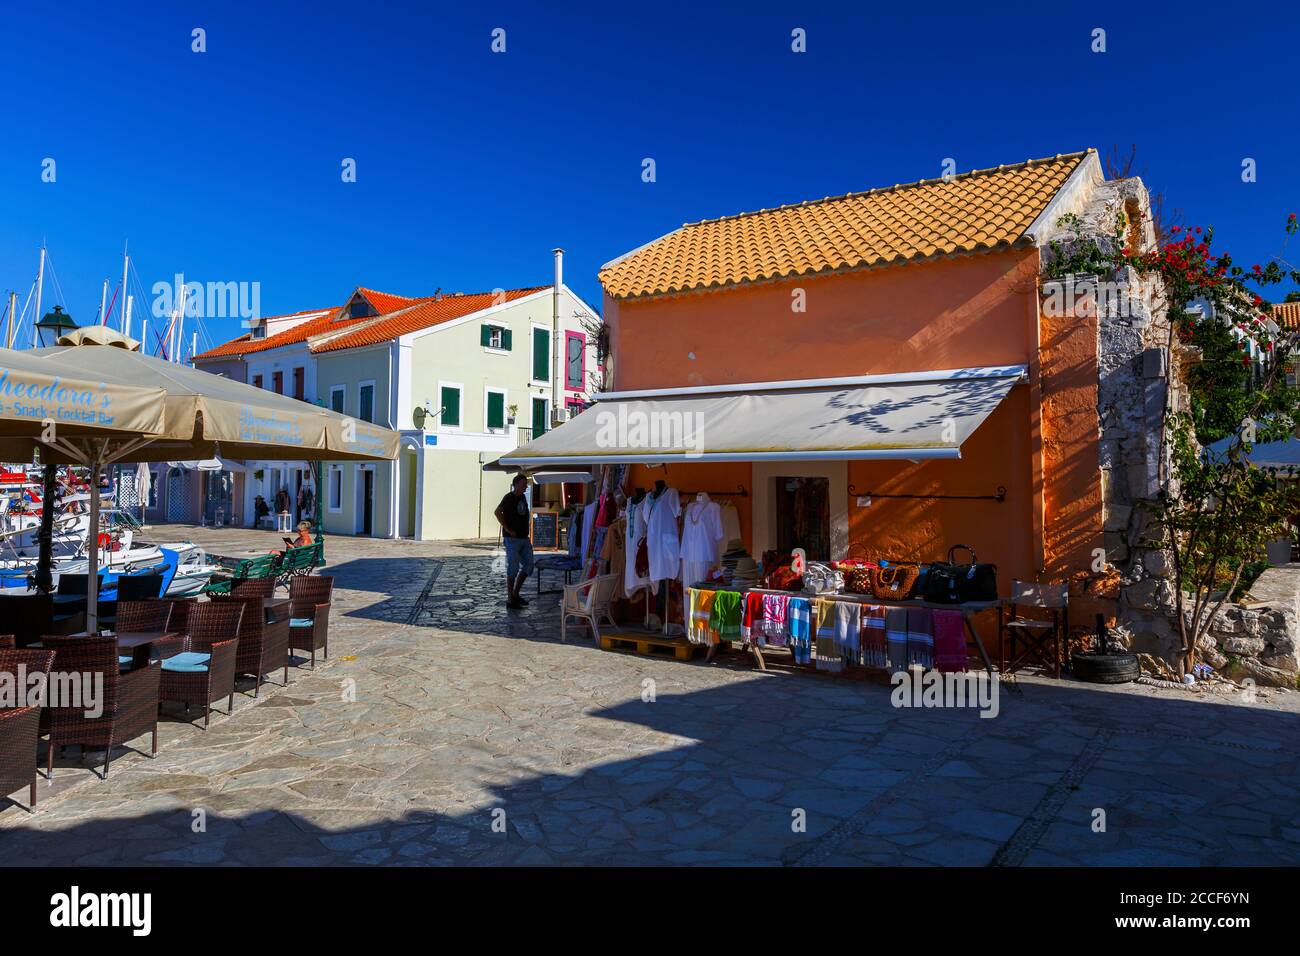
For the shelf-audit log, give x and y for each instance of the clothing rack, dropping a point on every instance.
(1001, 495)
(740, 492)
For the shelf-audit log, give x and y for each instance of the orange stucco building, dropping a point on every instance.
(937, 281)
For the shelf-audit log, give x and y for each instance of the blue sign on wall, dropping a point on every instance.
(431, 439)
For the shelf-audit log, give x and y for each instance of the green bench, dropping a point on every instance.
(250, 569)
(296, 562)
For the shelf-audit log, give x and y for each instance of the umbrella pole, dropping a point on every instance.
(44, 577)
(92, 543)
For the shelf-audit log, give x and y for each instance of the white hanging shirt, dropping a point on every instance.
(661, 542)
(701, 531)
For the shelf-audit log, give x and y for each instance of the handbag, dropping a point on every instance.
(821, 579)
(858, 578)
(952, 583)
(781, 576)
(894, 582)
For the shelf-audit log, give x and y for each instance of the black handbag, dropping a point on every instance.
(952, 583)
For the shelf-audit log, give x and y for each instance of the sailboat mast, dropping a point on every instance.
(103, 302)
(124, 315)
(9, 333)
(40, 285)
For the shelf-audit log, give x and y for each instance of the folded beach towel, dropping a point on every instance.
(920, 636)
(700, 605)
(848, 630)
(949, 641)
(874, 647)
(800, 629)
(724, 622)
(828, 653)
(751, 619)
(776, 611)
(896, 637)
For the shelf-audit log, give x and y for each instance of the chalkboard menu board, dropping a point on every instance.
(546, 529)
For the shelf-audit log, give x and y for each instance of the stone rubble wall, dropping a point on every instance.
(1259, 642)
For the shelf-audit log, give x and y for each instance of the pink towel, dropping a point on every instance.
(949, 641)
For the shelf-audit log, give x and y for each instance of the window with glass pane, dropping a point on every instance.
(450, 404)
(366, 403)
(336, 399)
(574, 365)
(336, 487)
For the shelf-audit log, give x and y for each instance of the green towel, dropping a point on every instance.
(725, 619)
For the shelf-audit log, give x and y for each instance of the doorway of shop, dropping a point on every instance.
(803, 516)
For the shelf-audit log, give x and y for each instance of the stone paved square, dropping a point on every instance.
(465, 716)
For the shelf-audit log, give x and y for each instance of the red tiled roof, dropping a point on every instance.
(246, 344)
(385, 302)
(424, 314)
(1287, 314)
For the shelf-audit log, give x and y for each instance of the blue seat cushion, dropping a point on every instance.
(124, 660)
(302, 622)
(189, 662)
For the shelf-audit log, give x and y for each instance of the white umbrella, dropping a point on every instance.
(143, 482)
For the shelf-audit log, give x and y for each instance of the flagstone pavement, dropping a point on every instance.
(443, 730)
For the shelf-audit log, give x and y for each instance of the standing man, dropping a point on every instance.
(512, 514)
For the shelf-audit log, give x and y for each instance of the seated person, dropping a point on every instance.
(304, 537)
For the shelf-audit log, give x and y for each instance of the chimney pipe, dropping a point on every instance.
(555, 334)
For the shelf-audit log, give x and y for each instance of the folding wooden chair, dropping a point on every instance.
(1037, 620)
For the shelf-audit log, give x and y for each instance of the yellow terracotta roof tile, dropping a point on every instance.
(971, 212)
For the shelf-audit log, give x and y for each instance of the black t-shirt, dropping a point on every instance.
(515, 510)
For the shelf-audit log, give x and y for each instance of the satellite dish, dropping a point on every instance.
(417, 416)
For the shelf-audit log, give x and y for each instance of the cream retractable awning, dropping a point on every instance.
(910, 415)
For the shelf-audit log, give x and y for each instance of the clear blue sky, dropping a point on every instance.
(472, 165)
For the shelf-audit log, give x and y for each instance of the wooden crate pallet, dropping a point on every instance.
(650, 645)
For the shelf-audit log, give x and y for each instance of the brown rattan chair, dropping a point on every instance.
(6, 641)
(263, 645)
(129, 704)
(20, 726)
(204, 669)
(258, 587)
(19, 735)
(136, 617)
(309, 614)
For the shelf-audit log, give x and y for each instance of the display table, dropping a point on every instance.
(967, 610)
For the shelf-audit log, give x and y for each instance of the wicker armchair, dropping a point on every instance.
(309, 614)
(204, 669)
(19, 732)
(263, 645)
(136, 617)
(6, 641)
(20, 726)
(130, 700)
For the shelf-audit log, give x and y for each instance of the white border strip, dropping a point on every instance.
(629, 458)
(892, 378)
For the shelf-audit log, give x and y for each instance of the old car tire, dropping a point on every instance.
(1105, 668)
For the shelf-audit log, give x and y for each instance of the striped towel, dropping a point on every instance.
(829, 657)
(751, 620)
(848, 630)
(724, 622)
(920, 636)
(896, 637)
(700, 604)
(776, 611)
(800, 629)
(949, 641)
(874, 651)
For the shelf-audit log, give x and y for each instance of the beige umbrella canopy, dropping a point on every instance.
(209, 416)
(196, 415)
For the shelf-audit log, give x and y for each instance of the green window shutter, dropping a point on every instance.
(541, 355)
(505, 339)
(484, 335)
(539, 417)
(496, 410)
(451, 407)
